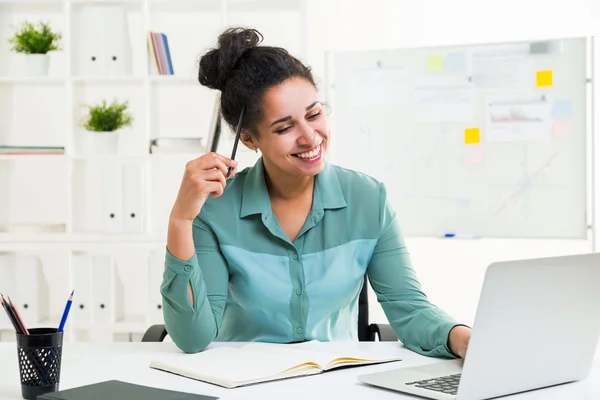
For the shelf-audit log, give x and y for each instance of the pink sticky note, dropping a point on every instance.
(474, 154)
(562, 128)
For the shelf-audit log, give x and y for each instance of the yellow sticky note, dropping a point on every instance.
(543, 78)
(472, 135)
(435, 63)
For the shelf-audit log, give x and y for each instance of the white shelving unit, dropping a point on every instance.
(97, 223)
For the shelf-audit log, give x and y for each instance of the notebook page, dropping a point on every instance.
(233, 364)
(342, 352)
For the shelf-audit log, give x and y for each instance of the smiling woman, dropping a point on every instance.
(278, 252)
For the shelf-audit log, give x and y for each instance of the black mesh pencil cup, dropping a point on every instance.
(40, 355)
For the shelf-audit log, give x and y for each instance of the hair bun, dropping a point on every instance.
(217, 64)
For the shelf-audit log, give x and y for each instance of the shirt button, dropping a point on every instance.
(187, 268)
(298, 292)
(299, 330)
(295, 256)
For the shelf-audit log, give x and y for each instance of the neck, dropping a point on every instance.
(285, 187)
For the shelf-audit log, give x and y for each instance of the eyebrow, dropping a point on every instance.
(290, 117)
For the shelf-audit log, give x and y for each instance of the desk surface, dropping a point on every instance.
(85, 363)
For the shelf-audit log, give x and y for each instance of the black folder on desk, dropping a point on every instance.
(117, 390)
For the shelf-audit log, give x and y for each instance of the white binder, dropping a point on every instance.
(91, 50)
(81, 272)
(112, 205)
(156, 262)
(31, 290)
(7, 285)
(117, 42)
(133, 190)
(103, 268)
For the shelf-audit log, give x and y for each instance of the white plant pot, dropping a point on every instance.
(106, 142)
(37, 64)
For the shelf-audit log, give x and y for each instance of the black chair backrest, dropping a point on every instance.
(363, 312)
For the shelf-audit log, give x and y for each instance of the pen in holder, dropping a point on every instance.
(40, 355)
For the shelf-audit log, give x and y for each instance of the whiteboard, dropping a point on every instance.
(484, 140)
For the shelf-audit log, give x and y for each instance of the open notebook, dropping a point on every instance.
(231, 367)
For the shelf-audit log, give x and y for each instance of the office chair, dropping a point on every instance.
(366, 331)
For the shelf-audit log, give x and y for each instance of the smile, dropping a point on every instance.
(310, 155)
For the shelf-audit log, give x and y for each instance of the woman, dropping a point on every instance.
(278, 252)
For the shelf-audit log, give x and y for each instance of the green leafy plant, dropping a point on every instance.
(30, 39)
(105, 117)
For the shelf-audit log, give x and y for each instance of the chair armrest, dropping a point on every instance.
(156, 333)
(384, 331)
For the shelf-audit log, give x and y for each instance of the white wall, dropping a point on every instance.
(451, 271)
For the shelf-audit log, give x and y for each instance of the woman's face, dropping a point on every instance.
(293, 134)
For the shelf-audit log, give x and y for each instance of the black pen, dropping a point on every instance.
(237, 138)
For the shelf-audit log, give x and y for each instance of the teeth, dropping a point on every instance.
(311, 154)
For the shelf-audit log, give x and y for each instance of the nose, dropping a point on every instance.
(307, 136)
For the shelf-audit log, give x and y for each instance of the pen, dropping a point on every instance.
(237, 138)
(461, 235)
(63, 320)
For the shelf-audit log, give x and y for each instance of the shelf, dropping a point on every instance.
(263, 5)
(37, 238)
(31, 80)
(108, 79)
(36, 157)
(182, 6)
(94, 2)
(174, 79)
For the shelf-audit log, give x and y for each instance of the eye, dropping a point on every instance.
(314, 116)
(283, 129)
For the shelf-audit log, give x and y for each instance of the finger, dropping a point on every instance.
(228, 161)
(214, 175)
(216, 189)
(222, 167)
(233, 172)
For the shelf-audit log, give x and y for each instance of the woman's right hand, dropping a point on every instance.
(204, 175)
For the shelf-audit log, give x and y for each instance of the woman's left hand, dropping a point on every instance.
(459, 340)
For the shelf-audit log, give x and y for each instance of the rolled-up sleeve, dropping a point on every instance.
(193, 327)
(419, 324)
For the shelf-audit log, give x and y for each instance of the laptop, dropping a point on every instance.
(537, 325)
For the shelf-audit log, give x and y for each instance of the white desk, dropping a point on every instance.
(85, 363)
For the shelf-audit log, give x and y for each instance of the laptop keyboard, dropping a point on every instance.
(445, 384)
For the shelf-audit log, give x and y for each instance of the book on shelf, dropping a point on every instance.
(159, 53)
(232, 367)
(31, 150)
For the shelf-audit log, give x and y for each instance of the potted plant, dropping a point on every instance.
(105, 121)
(35, 42)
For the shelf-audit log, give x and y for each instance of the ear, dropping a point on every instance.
(247, 139)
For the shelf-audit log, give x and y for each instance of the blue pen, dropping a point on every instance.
(461, 235)
(63, 320)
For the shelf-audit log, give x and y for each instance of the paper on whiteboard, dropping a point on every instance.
(379, 87)
(510, 121)
(444, 103)
(502, 71)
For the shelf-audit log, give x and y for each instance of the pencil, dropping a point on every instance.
(237, 138)
(11, 315)
(63, 320)
(23, 328)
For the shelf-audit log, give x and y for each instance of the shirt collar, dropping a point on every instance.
(255, 197)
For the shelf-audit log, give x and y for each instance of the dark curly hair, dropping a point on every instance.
(243, 71)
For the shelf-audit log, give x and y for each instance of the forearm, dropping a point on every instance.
(191, 325)
(180, 241)
(420, 326)
(180, 244)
